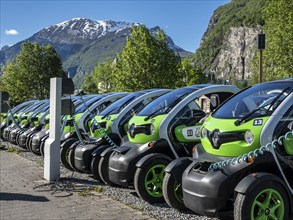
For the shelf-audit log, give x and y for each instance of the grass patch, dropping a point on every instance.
(88, 191)
(136, 207)
(85, 192)
(98, 188)
(12, 150)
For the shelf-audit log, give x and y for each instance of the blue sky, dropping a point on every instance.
(184, 21)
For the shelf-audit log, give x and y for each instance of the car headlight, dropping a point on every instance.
(249, 137)
(152, 129)
(204, 132)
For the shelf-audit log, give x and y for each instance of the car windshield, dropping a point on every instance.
(164, 103)
(265, 96)
(117, 106)
(33, 107)
(82, 108)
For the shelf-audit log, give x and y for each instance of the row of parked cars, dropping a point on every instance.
(208, 148)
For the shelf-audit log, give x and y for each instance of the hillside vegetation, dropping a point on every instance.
(234, 14)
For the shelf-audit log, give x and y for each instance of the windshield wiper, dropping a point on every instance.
(153, 113)
(168, 107)
(277, 98)
(244, 118)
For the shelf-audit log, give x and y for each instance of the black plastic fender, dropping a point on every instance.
(150, 157)
(114, 137)
(100, 149)
(107, 152)
(177, 167)
(246, 185)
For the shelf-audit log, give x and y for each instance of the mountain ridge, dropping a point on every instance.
(82, 43)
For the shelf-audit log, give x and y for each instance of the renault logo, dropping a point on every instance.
(215, 138)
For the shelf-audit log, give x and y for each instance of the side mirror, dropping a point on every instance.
(214, 99)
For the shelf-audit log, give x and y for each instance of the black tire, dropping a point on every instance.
(172, 192)
(244, 209)
(95, 168)
(148, 194)
(71, 159)
(42, 147)
(28, 143)
(38, 153)
(28, 139)
(17, 140)
(104, 171)
(64, 152)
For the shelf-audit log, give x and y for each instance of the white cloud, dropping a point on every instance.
(11, 32)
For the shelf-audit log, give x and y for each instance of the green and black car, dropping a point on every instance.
(164, 130)
(247, 167)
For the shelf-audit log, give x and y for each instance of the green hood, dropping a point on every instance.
(143, 138)
(232, 148)
(108, 125)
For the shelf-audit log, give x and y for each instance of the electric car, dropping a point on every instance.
(113, 122)
(82, 129)
(7, 118)
(177, 133)
(235, 173)
(29, 120)
(37, 142)
(20, 120)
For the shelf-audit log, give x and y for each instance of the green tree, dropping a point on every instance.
(146, 62)
(28, 76)
(278, 55)
(192, 74)
(100, 80)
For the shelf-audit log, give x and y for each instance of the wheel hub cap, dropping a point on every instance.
(267, 211)
(268, 204)
(153, 180)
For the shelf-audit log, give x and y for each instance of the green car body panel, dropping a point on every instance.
(234, 148)
(144, 138)
(109, 121)
(47, 125)
(180, 130)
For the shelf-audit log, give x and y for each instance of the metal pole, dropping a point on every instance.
(260, 66)
(52, 144)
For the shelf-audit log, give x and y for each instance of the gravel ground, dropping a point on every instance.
(124, 195)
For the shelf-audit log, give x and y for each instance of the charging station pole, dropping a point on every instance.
(52, 144)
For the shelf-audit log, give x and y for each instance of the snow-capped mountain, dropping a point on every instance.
(82, 43)
(82, 29)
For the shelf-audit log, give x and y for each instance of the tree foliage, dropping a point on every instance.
(28, 76)
(146, 62)
(100, 80)
(192, 74)
(278, 55)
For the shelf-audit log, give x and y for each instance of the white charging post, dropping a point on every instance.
(58, 87)
(52, 144)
